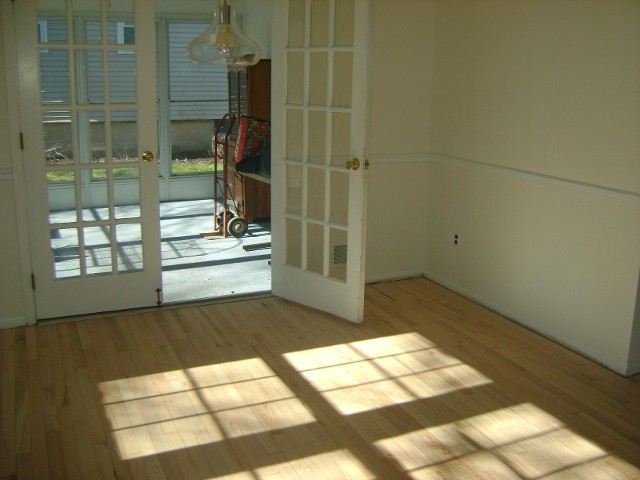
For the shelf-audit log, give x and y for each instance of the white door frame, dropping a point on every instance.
(10, 72)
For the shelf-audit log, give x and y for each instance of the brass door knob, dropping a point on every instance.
(353, 164)
(147, 156)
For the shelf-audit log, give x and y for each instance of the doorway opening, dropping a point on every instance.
(193, 99)
(194, 268)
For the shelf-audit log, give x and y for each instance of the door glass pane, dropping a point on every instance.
(338, 249)
(294, 127)
(293, 242)
(99, 174)
(95, 133)
(295, 78)
(59, 175)
(97, 242)
(315, 250)
(60, 196)
(340, 138)
(129, 247)
(296, 23)
(58, 138)
(315, 193)
(339, 198)
(89, 29)
(52, 25)
(95, 197)
(66, 253)
(92, 32)
(120, 25)
(344, 21)
(90, 76)
(124, 136)
(320, 23)
(317, 136)
(294, 189)
(122, 76)
(54, 76)
(342, 79)
(126, 193)
(318, 71)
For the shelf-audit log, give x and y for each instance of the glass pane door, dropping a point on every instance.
(97, 239)
(321, 175)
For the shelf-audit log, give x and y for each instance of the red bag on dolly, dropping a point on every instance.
(252, 133)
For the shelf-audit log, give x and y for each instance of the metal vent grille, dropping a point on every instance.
(339, 254)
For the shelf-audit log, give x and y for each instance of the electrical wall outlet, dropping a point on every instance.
(456, 239)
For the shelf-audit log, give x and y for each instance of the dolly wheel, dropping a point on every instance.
(237, 226)
(220, 217)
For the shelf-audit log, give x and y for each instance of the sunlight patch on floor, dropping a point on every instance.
(173, 410)
(377, 373)
(519, 442)
(337, 464)
(244, 408)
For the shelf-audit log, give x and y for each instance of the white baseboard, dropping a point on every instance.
(390, 277)
(12, 322)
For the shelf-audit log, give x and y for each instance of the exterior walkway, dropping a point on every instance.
(194, 268)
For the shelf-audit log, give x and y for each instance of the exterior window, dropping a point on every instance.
(126, 33)
(43, 34)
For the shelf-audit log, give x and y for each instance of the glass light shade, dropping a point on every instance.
(224, 42)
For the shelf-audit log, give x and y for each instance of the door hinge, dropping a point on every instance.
(21, 141)
(33, 281)
(159, 294)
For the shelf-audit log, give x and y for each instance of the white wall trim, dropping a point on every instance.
(390, 277)
(18, 174)
(382, 158)
(12, 322)
(557, 182)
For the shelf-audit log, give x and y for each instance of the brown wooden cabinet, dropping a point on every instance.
(250, 94)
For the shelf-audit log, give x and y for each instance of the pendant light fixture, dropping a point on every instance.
(224, 42)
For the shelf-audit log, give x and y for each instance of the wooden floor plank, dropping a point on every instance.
(430, 385)
(8, 436)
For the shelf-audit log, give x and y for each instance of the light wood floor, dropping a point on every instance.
(430, 386)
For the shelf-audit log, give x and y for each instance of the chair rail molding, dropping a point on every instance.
(382, 158)
(558, 182)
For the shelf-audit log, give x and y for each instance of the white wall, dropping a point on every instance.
(400, 126)
(535, 148)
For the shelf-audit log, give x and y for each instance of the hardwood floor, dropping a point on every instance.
(429, 386)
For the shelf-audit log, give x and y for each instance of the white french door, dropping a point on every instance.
(320, 128)
(88, 110)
